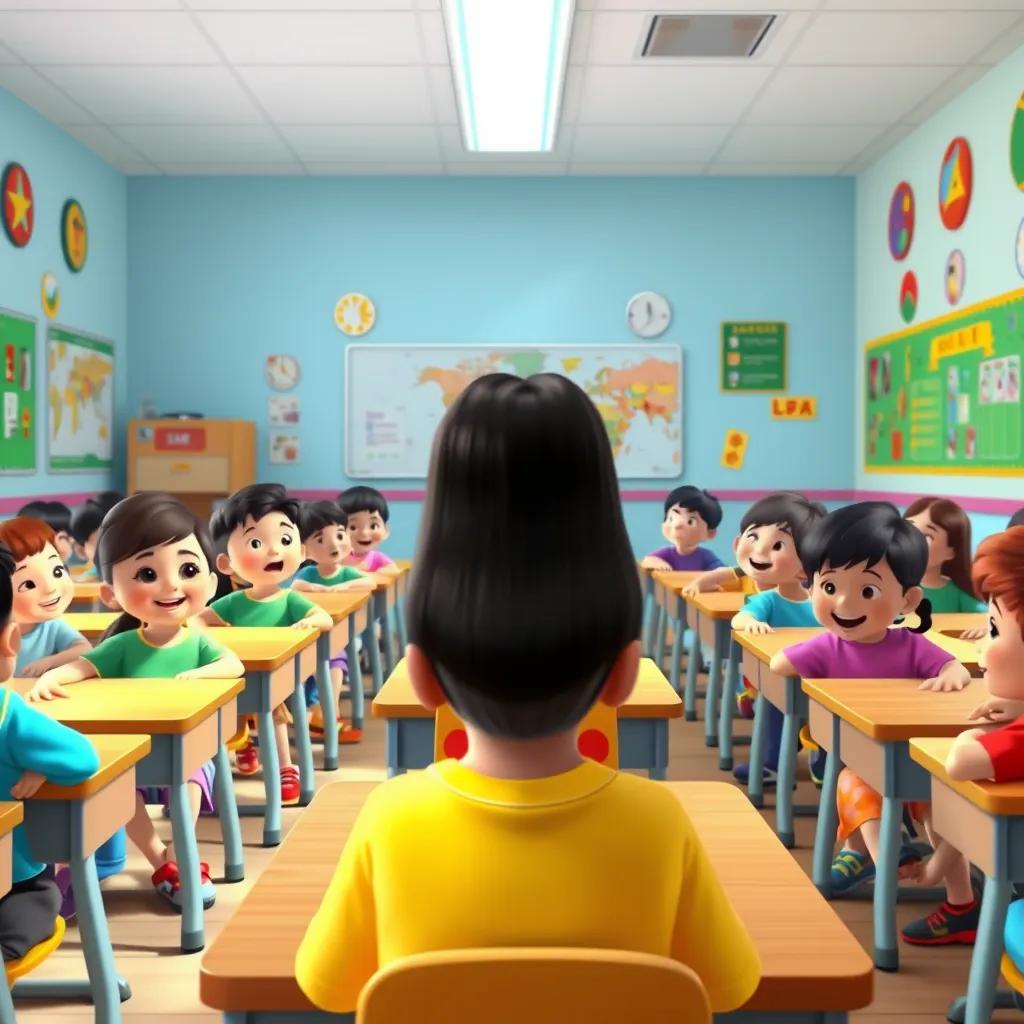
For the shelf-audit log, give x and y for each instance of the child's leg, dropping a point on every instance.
(337, 682)
(28, 914)
(956, 869)
(195, 802)
(284, 751)
(142, 833)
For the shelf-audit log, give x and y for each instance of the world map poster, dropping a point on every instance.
(80, 400)
(396, 396)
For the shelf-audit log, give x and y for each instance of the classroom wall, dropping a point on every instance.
(93, 300)
(224, 271)
(987, 238)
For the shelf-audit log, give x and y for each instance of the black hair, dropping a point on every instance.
(693, 499)
(1017, 519)
(363, 499)
(87, 517)
(55, 514)
(869, 532)
(6, 587)
(522, 645)
(788, 510)
(257, 501)
(315, 516)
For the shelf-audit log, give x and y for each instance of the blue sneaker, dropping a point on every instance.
(850, 870)
(741, 773)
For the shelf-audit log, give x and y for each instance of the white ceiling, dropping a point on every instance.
(365, 86)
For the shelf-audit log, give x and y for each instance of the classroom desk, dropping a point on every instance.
(188, 722)
(402, 588)
(714, 612)
(670, 606)
(92, 625)
(11, 815)
(278, 661)
(385, 598)
(643, 723)
(954, 623)
(985, 821)
(65, 825)
(813, 970)
(349, 612)
(867, 725)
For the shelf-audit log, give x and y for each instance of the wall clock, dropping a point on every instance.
(354, 314)
(648, 314)
(282, 372)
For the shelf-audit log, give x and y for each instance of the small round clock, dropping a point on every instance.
(648, 314)
(282, 372)
(354, 314)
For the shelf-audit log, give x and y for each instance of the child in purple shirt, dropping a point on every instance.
(865, 563)
(691, 516)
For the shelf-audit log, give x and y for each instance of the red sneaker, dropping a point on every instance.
(289, 785)
(247, 760)
(348, 733)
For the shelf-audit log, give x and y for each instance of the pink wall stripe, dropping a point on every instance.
(8, 506)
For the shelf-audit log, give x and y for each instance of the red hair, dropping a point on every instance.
(26, 536)
(999, 571)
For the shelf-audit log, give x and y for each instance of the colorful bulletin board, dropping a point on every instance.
(18, 388)
(80, 400)
(945, 396)
(753, 356)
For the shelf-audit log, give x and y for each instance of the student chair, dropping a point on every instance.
(15, 969)
(543, 986)
(597, 736)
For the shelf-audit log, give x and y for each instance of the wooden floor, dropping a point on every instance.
(165, 983)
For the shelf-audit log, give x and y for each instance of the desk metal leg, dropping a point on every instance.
(227, 811)
(727, 711)
(355, 681)
(328, 708)
(303, 746)
(712, 696)
(677, 653)
(373, 648)
(660, 637)
(387, 626)
(92, 929)
(186, 853)
(6, 1005)
(693, 660)
(755, 779)
(786, 779)
(828, 821)
(659, 765)
(982, 996)
(650, 613)
(887, 955)
(271, 810)
(391, 747)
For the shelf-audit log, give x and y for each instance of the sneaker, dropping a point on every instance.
(167, 882)
(247, 760)
(290, 787)
(816, 767)
(947, 926)
(741, 773)
(745, 700)
(348, 733)
(850, 870)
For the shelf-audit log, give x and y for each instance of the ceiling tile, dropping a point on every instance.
(947, 91)
(388, 95)
(428, 5)
(310, 37)
(842, 95)
(909, 37)
(806, 144)
(612, 170)
(678, 144)
(924, 5)
(773, 170)
(218, 169)
(159, 95)
(91, 5)
(668, 94)
(579, 44)
(703, 6)
(435, 40)
(364, 143)
(7, 57)
(877, 148)
(515, 170)
(103, 142)
(572, 95)
(306, 5)
(453, 150)
(442, 91)
(105, 37)
(1008, 42)
(207, 144)
(329, 168)
(32, 88)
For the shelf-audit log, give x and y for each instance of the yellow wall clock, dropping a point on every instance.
(50, 292)
(354, 314)
(74, 235)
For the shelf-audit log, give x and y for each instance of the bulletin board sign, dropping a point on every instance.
(945, 396)
(18, 393)
(753, 356)
(80, 400)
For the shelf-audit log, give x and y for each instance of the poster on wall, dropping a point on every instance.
(18, 393)
(80, 400)
(753, 356)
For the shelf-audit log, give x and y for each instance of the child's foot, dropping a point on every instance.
(348, 733)
(247, 760)
(816, 767)
(850, 870)
(290, 787)
(949, 925)
(167, 883)
(768, 775)
(745, 701)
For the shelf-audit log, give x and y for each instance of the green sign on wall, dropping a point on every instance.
(753, 355)
(17, 393)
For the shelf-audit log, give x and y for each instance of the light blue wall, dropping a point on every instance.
(93, 300)
(223, 272)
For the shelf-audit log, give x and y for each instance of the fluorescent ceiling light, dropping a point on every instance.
(509, 60)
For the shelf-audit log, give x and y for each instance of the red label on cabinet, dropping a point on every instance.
(180, 439)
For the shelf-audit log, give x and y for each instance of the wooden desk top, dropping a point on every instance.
(91, 625)
(809, 959)
(993, 797)
(891, 710)
(965, 651)
(263, 648)
(87, 590)
(157, 707)
(955, 623)
(717, 604)
(116, 753)
(342, 604)
(673, 581)
(652, 697)
(764, 646)
(11, 816)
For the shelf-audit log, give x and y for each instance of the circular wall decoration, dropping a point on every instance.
(282, 372)
(74, 235)
(648, 314)
(19, 214)
(50, 293)
(908, 296)
(1020, 249)
(901, 220)
(1017, 144)
(956, 274)
(956, 182)
(354, 314)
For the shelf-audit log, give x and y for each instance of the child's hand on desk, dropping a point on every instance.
(28, 785)
(974, 634)
(192, 673)
(305, 623)
(756, 628)
(34, 669)
(997, 709)
(657, 564)
(45, 691)
(952, 678)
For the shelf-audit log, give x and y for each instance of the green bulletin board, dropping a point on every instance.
(18, 391)
(945, 396)
(753, 356)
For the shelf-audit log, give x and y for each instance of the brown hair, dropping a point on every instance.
(145, 520)
(949, 516)
(26, 536)
(999, 570)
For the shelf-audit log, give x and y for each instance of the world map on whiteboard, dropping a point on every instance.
(396, 396)
(80, 398)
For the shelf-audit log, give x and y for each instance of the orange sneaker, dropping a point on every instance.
(348, 733)
(289, 785)
(247, 760)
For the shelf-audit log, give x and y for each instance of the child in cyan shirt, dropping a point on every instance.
(368, 514)
(691, 516)
(523, 841)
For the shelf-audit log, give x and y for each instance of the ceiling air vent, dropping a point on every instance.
(713, 36)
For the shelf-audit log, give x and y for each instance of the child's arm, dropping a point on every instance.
(208, 617)
(781, 665)
(228, 667)
(744, 622)
(53, 682)
(934, 870)
(364, 583)
(310, 588)
(389, 570)
(968, 759)
(653, 562)
(38, 668)
(713, 579)
(315, 618)
(46, 748)
(952, 676)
